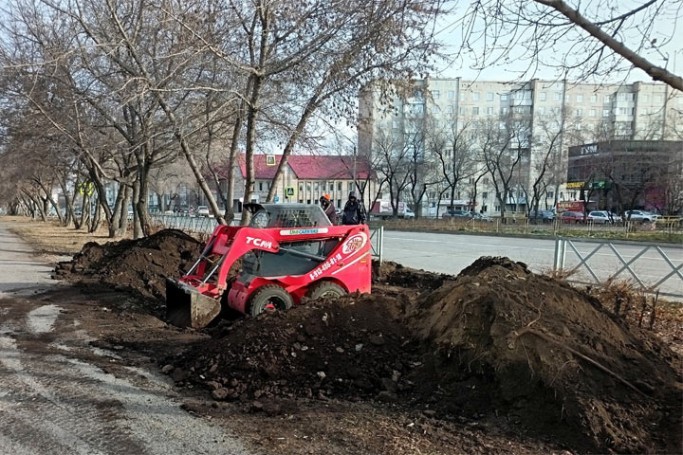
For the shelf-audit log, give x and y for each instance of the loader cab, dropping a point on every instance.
(287, 261)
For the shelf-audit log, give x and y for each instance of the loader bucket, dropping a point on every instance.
(187, 307)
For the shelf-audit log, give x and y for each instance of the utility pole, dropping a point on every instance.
(355, 184)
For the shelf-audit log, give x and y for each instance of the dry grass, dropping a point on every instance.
(646, 311)
(50, 239)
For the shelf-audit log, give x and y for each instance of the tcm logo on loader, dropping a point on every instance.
(259, 242)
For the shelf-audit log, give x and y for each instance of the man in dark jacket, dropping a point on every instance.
(328, 208)
(354, 213)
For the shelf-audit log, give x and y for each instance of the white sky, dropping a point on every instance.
(451, 35)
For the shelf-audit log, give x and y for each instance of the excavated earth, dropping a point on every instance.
(495, 351)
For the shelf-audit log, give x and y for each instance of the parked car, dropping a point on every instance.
(572, 217)
(601, 217)
(482, 218)
(640, 215)
(456, 214)
(544, 216)
(203, 210)
(617, 218)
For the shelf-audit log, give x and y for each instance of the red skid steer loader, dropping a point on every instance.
(287, 253)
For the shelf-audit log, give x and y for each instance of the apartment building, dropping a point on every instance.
(550, 116)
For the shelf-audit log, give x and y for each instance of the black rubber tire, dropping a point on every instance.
(271, 294)
(326, 289)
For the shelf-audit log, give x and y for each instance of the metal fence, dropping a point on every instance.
(648, 267)
(206, 225)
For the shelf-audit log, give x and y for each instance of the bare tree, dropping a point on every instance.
(454, 149)
(393, 165)
(580, 39)
(504, 147)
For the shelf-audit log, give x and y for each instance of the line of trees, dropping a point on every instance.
(141, 93)
(525, 171)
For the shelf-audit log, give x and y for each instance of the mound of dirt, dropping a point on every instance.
(354, 348)
(549, 357)
(137, 266)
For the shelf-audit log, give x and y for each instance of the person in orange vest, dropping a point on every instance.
(329, 209)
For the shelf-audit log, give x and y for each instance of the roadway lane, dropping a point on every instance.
(450, 253)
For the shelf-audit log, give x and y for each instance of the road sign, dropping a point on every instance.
(289, 191)
(276, 199)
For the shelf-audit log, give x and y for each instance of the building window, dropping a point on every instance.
(658, 99)
(449, 109)
(504, 97)
(605, 112)
(578, 112)
(486, 180)
(496, 208)
(475, 96)
(594, 98)
(340, 188)
(579, 98)
(551, 195)
(489, 110)
(461, 110)
(489, 96)
(301, 189)
(475, 111)
(395, 124)
(505, 110)
(450, 94)
(607, 99)
(558, 96)
(543, 96)
(591, 113)
(484, 195)
(436, 94)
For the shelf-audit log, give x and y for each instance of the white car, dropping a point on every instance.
(640, 215)
(601, 217)
(204, 211)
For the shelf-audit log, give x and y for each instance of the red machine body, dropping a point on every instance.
(252, 269)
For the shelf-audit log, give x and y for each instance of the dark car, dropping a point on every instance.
(573, 217)
(457, 214)
(542, 216)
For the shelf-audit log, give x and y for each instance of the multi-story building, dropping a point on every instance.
(535, 120)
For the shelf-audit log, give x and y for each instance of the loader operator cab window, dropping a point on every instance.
(260, 220)
(288, 216)
(287, 261)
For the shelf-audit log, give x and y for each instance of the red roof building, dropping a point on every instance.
(306, 177)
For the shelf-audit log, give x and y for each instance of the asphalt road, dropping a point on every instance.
(450, 253)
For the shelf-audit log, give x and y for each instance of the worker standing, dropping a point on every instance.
(354, 213)
(329, 209)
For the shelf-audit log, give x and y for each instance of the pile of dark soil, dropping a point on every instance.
(547, 356)
(499, 343)
(139, 266)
